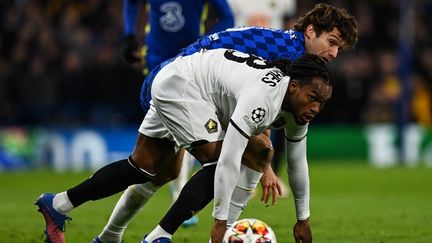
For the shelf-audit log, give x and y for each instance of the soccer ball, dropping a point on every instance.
(249, 231)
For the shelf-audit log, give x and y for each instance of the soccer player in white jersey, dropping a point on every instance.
(213, 101)
(323, 31)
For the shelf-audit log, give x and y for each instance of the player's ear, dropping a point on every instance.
(310, 32)
(293, 86)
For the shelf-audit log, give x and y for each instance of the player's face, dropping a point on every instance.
(306, 101)
(326, 45)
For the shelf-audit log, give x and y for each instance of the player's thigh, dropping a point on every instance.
(207, 153)
(258, 153)
(191, 121)
(155, 147)
(201, 134)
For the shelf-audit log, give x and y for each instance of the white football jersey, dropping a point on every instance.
(221, 86)
(195, 99)
(243, 88)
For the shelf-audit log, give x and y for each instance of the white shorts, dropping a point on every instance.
(152, 125)
(179, 112)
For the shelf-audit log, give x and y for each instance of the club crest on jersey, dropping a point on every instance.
(211, 126)
(258, 114)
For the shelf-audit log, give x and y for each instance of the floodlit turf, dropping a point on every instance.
(350, 203)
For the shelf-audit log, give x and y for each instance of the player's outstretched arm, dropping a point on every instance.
(226, 178)
(298, 174)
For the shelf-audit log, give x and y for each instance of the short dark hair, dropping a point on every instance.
(325, 18)
(305, 69)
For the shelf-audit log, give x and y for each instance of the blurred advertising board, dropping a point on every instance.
(63, 149)
(17, 147)
(92, 148)
(375, 143)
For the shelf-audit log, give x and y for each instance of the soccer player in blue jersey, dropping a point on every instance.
(322, 31)
(171, 25)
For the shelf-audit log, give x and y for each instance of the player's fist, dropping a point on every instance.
(218, 231)
(302, 231)
(130, 50)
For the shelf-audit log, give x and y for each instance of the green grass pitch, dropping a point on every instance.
(350, 202)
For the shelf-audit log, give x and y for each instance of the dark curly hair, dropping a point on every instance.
(305, 69)
(325, 17)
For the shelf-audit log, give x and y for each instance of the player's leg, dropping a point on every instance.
(107, 181)
(134, 199)
(186, 166)
(195, 195)
(177, 184)
(258, 154)
(167, 169)
(201, 133)
(179, 114)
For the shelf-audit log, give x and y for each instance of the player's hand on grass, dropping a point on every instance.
(270, 186)
(302, 231)
(218, 231)
(131, 52)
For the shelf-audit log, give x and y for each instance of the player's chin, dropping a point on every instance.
(303, 119)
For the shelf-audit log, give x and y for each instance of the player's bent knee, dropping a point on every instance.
(163, 177)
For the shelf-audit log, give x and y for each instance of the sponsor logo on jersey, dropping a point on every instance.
(173, 19)
(258, 114)
(211, 126)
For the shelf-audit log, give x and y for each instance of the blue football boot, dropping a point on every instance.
(55, 222)
(191, 222)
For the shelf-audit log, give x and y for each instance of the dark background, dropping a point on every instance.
(60, 65)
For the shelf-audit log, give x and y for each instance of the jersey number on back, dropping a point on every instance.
(272, 78)
(251, 60)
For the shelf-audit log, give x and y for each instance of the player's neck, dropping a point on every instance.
(286, 104)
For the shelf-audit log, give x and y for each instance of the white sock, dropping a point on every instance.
(61, 203)
(129, 204)
(248, 181)
(158, 232)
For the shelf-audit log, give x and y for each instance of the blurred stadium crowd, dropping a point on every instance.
(60, 64)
